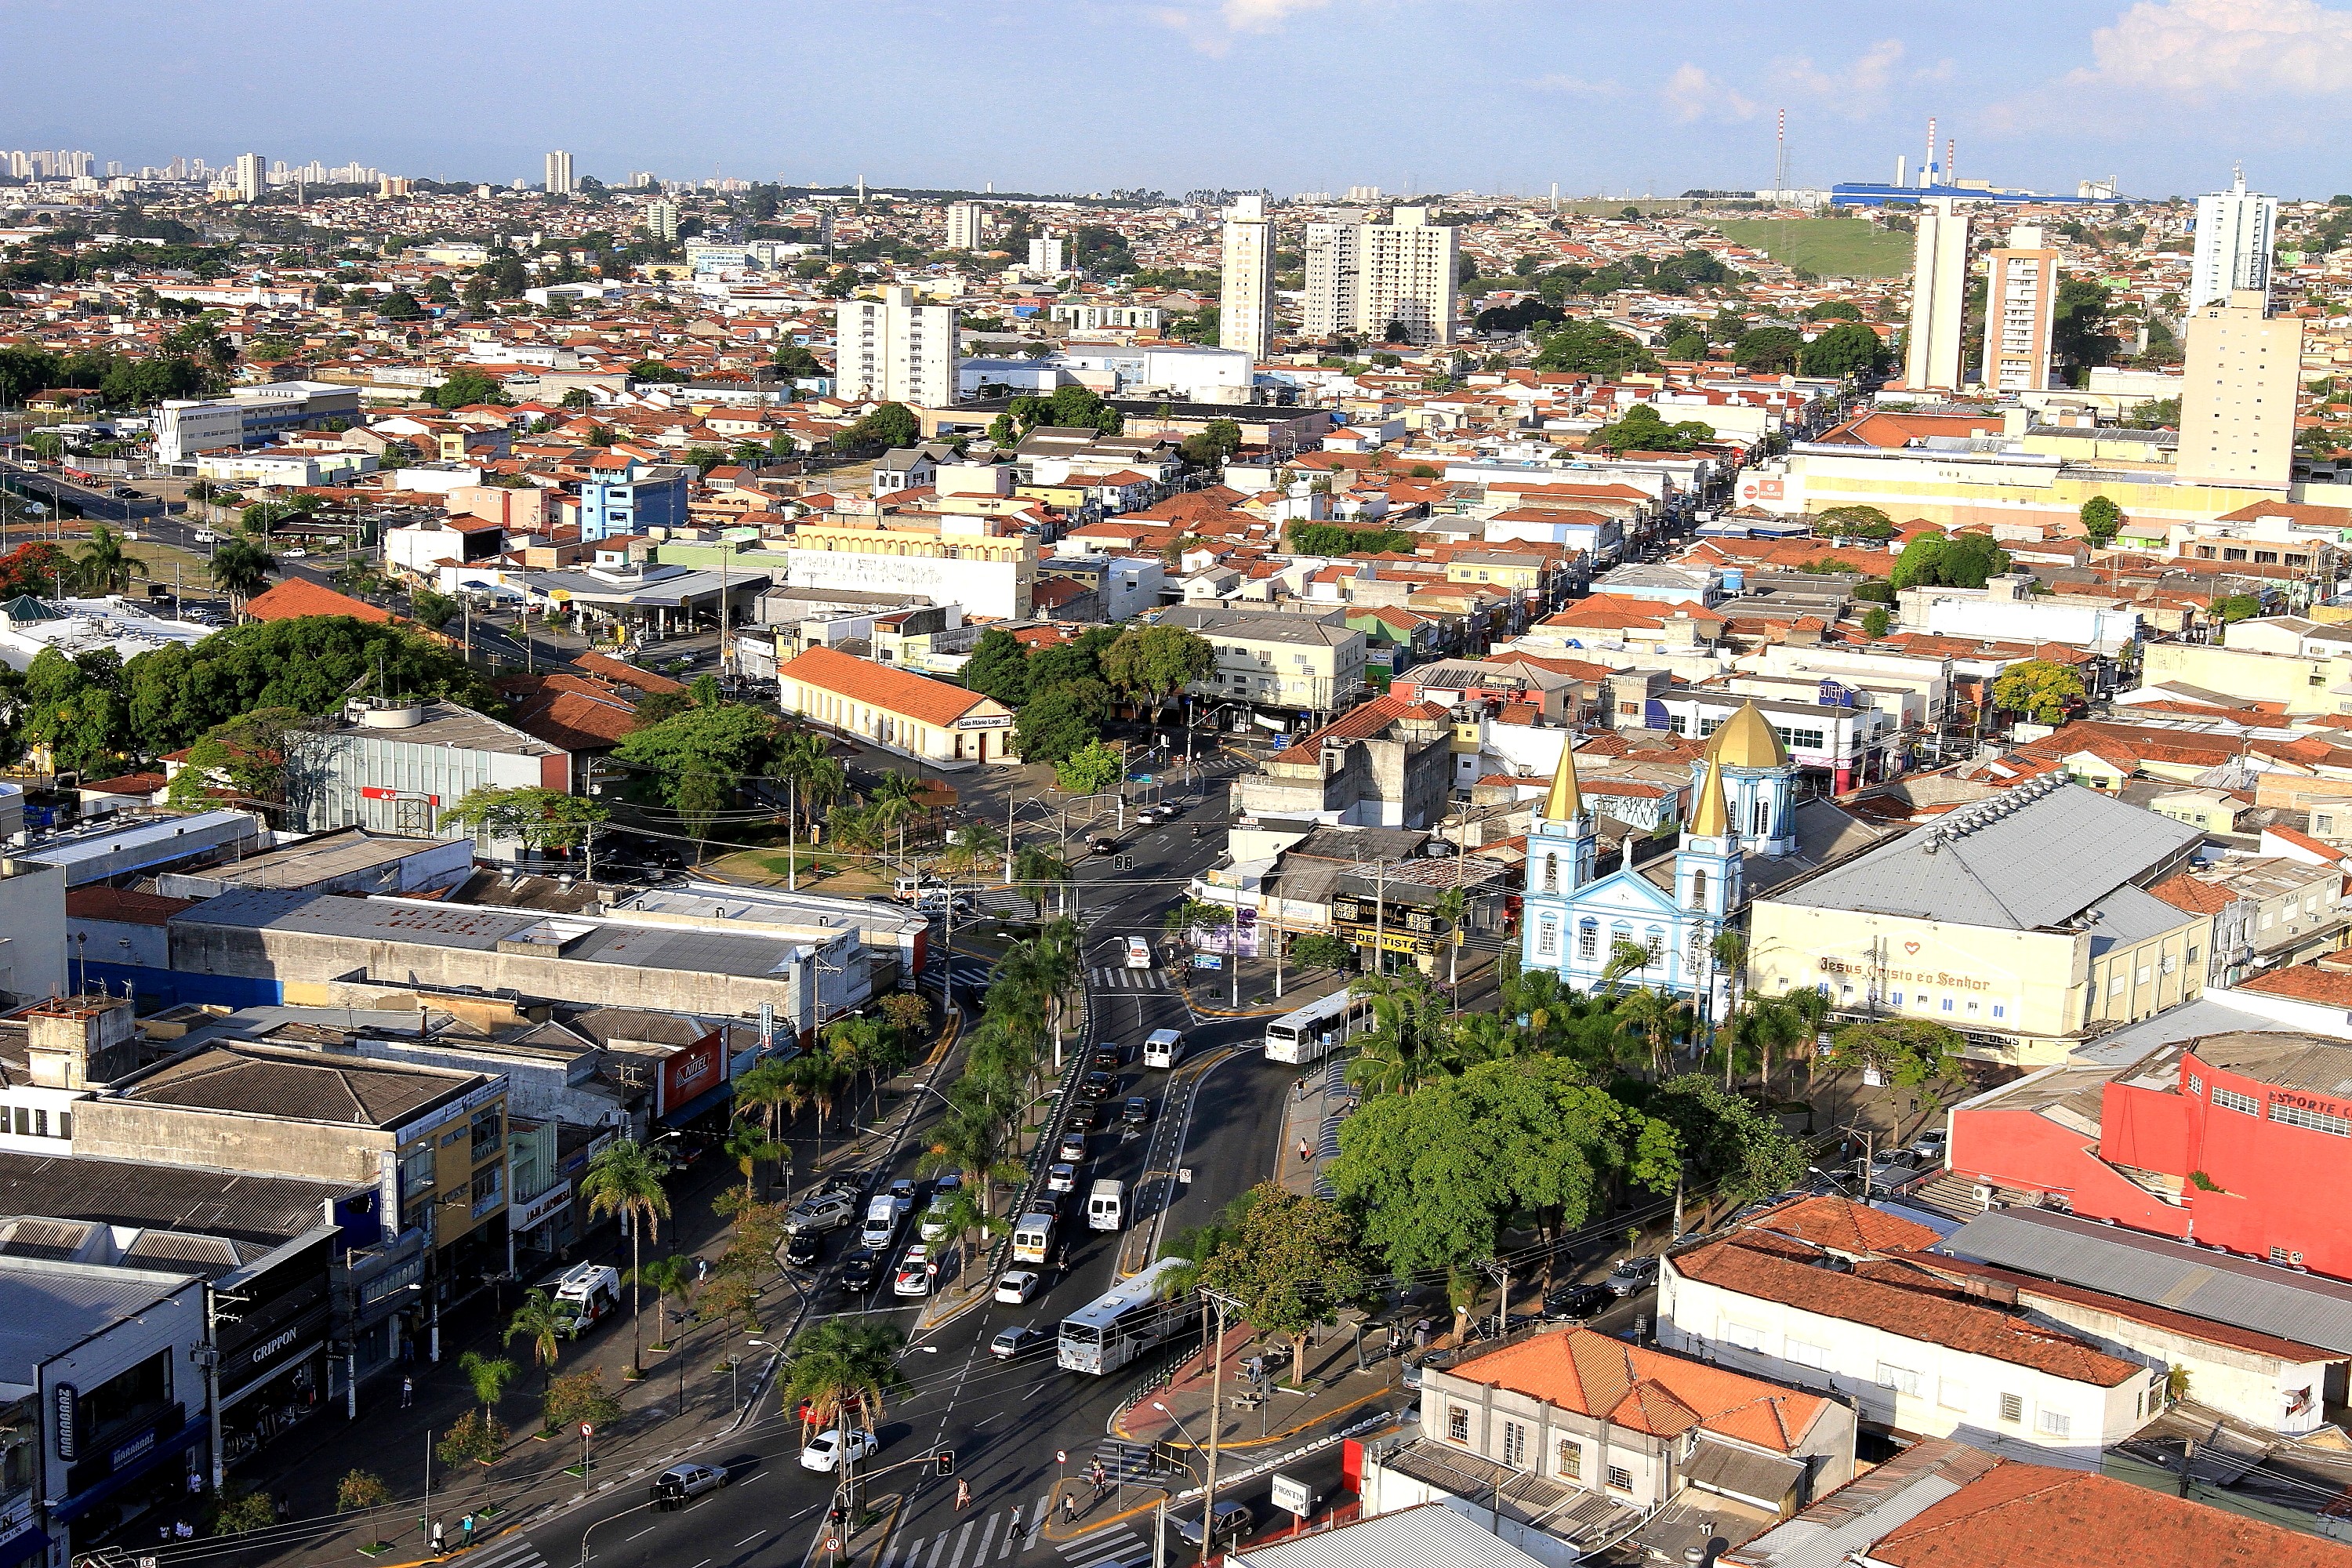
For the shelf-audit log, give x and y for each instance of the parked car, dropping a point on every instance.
(824, 1451)
(1062, 1176)
(674, 1486)
(1578, 1302)
(1015, 1286)
(1018, 1340)
(1632, 1275)
(1930, 1146)
(1137, 1112)
(1234, 1522)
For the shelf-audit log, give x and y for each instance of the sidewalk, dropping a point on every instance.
(1333, 1388)
(1314, 1117)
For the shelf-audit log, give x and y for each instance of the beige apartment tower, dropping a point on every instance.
(2021, 305)
(1939, 281)
(892, 349)
(1246, 290)
(967, 224)
(1365, 279)
(2240, 367)
(558, 174)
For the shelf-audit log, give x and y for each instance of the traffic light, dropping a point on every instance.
(943, 1462)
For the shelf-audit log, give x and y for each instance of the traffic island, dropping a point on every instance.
(1080, 1509)
(864, 1545)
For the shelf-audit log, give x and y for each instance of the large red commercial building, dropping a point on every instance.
(2239, 1141)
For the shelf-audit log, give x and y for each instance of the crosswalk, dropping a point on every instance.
(1107, 979)
(998, 1537)
(516, 1553)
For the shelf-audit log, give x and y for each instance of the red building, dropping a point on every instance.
(2240, 1141)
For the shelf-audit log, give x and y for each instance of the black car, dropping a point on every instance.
(1137, 1112)
(1084, 1118)
(805, 1248)
(1577, 1301)
(860, 1267)
(1098, 1085)
(1102, 846)
(1108, 1058)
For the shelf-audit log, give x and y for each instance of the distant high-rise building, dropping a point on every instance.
(2241, 365)
(1939, 281)
(2020, 306)
(558, 174)
(393, 185)
(967, 224)
(1046, 255)
(661, 220)
(1246, 290)
(892, 349)
(2233, 244)
(250, 179)
(1366, 278)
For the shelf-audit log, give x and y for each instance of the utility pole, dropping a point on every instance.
(1216, 1426)
(214, 1318)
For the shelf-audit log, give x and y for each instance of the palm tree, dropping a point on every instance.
(489, 1374)
(240, 568)
(974, 1138)
(102, 568)
(625, 1179)
(968, 1215)
(838, 1372)
(974, 847)
(672, 1279)
(1625, 957)
(1654, 1017)
(1034, 867)
(765, 1091)
(747, 1145)
(538, 1323)
(819, 1078)
(805, 760)
(1453, 906)
(1408, 1042)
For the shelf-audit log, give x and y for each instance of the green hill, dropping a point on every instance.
(1826, 247)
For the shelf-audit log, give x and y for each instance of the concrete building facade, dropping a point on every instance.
(2020, 307)
(2233, 245)
(1246, 293)
(893, 350)
(1939, 279)
(2238, 394)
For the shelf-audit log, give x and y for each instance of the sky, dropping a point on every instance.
(1490, 95)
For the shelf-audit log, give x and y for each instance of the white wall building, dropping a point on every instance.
(1362, 278)
(892, 349)
(967, 223)
(252, 176)
(1245, 294)
(1939, 281)
(2233, 245)
(1046, 255)
(558, 174)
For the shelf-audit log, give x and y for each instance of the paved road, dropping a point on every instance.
(1005, 1421)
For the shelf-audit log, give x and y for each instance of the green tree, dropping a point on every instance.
(577, 1397)
(672, 1276)
(252, 753)
(1157, 662)
(1061, 722)
(103, 567)
(1771, 350)
(1641, 430)
(1091, 770)
(2231, 608)
(999, 668)
(655, 370)
(363, 1492)
(2102, 520)
(1875, 622)
(240, 568)
(732, 740)
(538, 818)
(1900, 1053)
(1847, 350)
(2042, 690)
(2079, 327)
(1833, 310)
(841, 1372)
(1294, 1263)
(1035, 868)
(1857, 522)
(1317, 951)
(1592, 348)
(624, 1178)
(489, 1374)
(467, 387)
(542, 1327)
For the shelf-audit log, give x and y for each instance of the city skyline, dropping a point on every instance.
(1242, 93)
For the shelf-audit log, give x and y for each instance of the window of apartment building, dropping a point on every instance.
(2231, 1100)
(2317, 1120)
(2012, 1407)
(2115, 983)
(1515, 1445)
(1620, 1478)
(417, 1168)
(1901, 1379)
(1952, 1393)
(488, 1129)
(1947, 1003)
(1457, 1424)
(2195, 1084)
(1998, 1011)
(1895, 998)
(2052, 1422)
(1571, 1460)
(2144, 974)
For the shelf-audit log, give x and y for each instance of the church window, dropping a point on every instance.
(1587, 939)
(1551, 873)
(1699, 888)
(1547, 939)
(1656, 944)
(1763, 816)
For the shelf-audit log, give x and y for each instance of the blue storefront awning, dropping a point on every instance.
(680, 1115)
(81, 1504)
(33, 1541)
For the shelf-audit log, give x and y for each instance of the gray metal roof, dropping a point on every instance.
(47, 1307)
(1431, 1532)
(1845, 1524)
(2162, 1273)
(2022, 861)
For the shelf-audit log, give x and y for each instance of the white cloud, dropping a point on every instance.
(1856, 91)
(1577, 86)
(2196, 47)
(1691, 94)
(1212, 28)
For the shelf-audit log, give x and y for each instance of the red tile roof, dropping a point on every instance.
(298, 597)
(1842, 1225)
(124, 904)
(622, 673)
(1642, 1390)
(882, 686)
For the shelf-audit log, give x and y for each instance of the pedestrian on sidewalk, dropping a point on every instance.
(1305, 1152)
(466, 1530)
(407, 1392)
(438, 1544)
(1069, 1508)
(963, 1494)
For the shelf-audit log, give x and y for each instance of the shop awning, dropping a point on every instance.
(81, 1504)
(709, 1101)
(33, 1542)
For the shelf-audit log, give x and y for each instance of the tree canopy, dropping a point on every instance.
(1768, 349)
(1591, 347)
(1948, 561)
(2042, 690)
(1849, 349)
(1641, 430)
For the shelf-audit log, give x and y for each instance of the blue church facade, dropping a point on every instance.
(1576, 913)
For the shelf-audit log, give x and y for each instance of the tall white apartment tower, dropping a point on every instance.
(2020, 307)
(1939, 281)
(2241, 365)
(1245, 294)
(558, 174)
(892, 349)
(1366, 277)
(252, 176)
(2233, 245)
(1046, 256)
(1330, 302)
(967, 223)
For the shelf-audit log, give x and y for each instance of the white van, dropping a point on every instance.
(882, 1217)
(1104, 1203)
(1162, 1049)
(1033, 1238)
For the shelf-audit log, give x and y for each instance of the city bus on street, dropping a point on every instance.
(1308, 1034)
(1122, 1324)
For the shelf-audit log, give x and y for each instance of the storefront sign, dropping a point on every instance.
(986, 721)
(2307, 1102)
(1386, 940)
(695, 1070)
(377, 791)
(69, 1438)
(1943, 980)
(124, 1452)
(521, 1216)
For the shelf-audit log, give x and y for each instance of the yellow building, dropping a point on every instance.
(896, 710)
(2304, 683)
(2024, 923)
(2237, 400)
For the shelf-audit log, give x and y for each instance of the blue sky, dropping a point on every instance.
(1296, 95)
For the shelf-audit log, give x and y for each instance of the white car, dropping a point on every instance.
(1139, 953)
(822, 1451)
(1015, 1286)
(935, 1218)
(915, 1272)
(1062, 1177)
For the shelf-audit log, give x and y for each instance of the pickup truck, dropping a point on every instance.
(822, 1212)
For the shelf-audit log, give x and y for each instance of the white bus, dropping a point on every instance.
(1162, 1049)
(1308, 1034)
(1033, 1238)
(1122, 1324)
